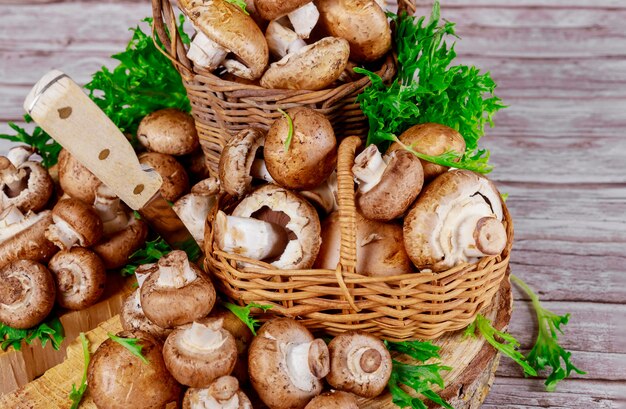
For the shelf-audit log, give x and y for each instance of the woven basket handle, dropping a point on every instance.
(347, 209)
(165, 29)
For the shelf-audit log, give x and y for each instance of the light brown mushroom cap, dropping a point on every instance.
(313, 67)
(362, 22)
(360, 364)
(117, 249)
(80, 277)
(133, 318)
(168, 131)
(312, 153)
(236, 161)
(175, 179)
(272, 9)
(75, 222)
(33, 184)
(292, 212)
(243, 337)
(29, 241)
(199, 353)
(287, 364)
(379, 247)
(334, 400)
(441, 228)
(431, 139)
(118, 379)
(227, 25)
(75, 179)
(27, 294)
(223, 393)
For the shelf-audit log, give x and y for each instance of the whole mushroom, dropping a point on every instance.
(223, 393)
(238, 159)
(23, 237)
(168, 131)
(27, 293)
(456, 219)
(243, 337)
(302, 14)
(194, 207)
(24, 184)
(175, 179)
(74, 223)
(75, 179)
(287, 364)
(333, 400)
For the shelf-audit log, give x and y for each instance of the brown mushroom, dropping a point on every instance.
(23, 237)
(23, 183)
(333, 400)
(287, 364)
(324, 197)
(456, 219)
(359, 363)
(243, 337)
(194, 207)
(27, 294)
(177, 293)
(237, 160)
(223, 393)
(118, 379)
(175, 179)
(311, 155)
(387, 185)
(168, 131)
(75, 179)
(302, 14)
(199, 353)
(74, 223)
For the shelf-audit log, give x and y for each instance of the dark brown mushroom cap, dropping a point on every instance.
(236, 161)
(360, 364)
(168, 131)
(26, 293)
(334, 400)
(224, 391)
(116, 249)
(431, 139)
(133, 318)
(118, 379)
(75, 179)
(362, 22)
(80, 217)
(30, 243)
(36, 190)
(397, 189)
(175, 179)
(312, 153)
(272, 9)
(80, 277)
(196, 367)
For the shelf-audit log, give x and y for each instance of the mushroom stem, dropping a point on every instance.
(249, 237)
(19, 154)
(60, 232)
(203, 337)
(205, 52)
(259, 171)
(303, 19)
(364, 360)
(325, 195)
(489, 236)
(193, 209)
(224, 388)
(281, 40)
(14, 179)
(175, 271)
(109, 208)
(304, 377)
(10, 216)
(368, 168)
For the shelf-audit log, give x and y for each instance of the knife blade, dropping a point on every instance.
(61, 108)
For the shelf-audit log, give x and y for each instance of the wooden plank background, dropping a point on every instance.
(559, 151)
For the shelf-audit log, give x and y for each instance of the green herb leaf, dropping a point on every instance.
(290, 134)
(43, 144)
(49, 330)
(241, 4)
(132, 344)
(504, 196)
(76, 395)
(547, 351)
(154, 250)
(243, 313)
(420, 378)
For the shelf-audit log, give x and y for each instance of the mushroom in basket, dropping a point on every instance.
(302, 14)
(223, 393)
(24, 236)
(23, 183)
(194, 207)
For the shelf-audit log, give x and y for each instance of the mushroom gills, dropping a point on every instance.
(109, 208)
(13, 221)
(61, 232)
(16, 292)
(369, 167)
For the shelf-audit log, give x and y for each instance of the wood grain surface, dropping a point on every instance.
(559, 151)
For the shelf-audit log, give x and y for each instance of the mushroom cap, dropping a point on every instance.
(362, 22)
(175, 179)
(227, 25)
(29, 243)
(334, 400)
(36, 192)
(80, 217)
(359, 363)
(292, 212)
(379, 252)
(133, 318)
(236, 161)
(75, 179)
(199, 367)
(27, 294)
(312, 153)
(272, 9)
(168, 131)
(435, 235)
(80, 277)
(313, 67)
(431, 139)
(118, 379)
(272, 374)
(243, 337)
(117, 249)
(223, 391)
(400, 184)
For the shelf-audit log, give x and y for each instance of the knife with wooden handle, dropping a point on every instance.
(61, 108)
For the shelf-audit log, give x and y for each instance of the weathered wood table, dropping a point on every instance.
(559, 151)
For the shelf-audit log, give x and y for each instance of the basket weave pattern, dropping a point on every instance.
(410, 306)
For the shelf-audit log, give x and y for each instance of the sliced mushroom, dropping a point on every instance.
(302, 14)
(199, 353)
(287, 364)
(118, 379)
(177, 293)
(175, 179)
(313, 67)
(387, 185)
(23, 183)
(223, 393)
(75, 179)
(80, 277)
(359, 363)
(223, 29)
(456, 219)
(194, 207)
(333, 400)
(74, 223)
(237, 160)
(311, 155)
(23, 237)
(168, 131)
(27, 293)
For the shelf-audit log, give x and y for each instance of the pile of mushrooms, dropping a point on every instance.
(293, 44)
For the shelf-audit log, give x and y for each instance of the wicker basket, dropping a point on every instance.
(416, 305)
(222, 108)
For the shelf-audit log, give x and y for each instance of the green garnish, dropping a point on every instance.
(154, 250)
(504, 196)
(420, 378)
(547, 351)
(243, 313)
(427, 89)
(76, 395)
(290, 133)
(241, 4)
(45, 146)
(132, 344)
(49, 330)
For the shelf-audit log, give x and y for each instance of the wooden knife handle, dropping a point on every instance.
(65, 112)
